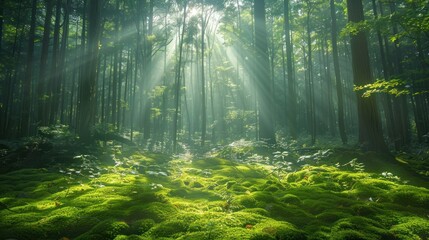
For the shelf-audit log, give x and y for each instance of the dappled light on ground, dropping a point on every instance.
(234, 192)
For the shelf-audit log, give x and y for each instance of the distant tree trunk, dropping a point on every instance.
(203, 79)
(41, 91)
(88, 81)
(311, 110)
(178, 77)
(329, 85)
(148, 52)
(263, 79)
(386, 99)
(338, 83)
(55, 71)
(291, 99)
(114, 84)
(1, 27)
(370, 130)
(2, 80)
(402, 121)
(62, 63)
(7, 128)
(28, 77)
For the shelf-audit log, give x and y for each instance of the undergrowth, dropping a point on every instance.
(244, 190)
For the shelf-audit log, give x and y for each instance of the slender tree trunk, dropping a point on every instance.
(41, 91)
(291, 99)
(312, 110)
(28, 78)
(203, 79)
(178, 77)
(401, 103)
(263, 82)
(386, 99)
(55, 71)
(370, 130)
(62, 63)
(338, 83)
(88, 83)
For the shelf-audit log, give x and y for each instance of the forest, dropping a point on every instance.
(214, 119)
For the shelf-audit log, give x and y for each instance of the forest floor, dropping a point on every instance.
(240, 191)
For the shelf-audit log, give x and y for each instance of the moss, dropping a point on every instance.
(196, 184)
(229, 184)
(271, 189)
(411, 196)
(261, 236)
(110, 228)
(331, 216)
(155, 210)
(290, 199)
(280, 230)
(212, 163)
(257, 199)
(366, 210)
(350, 235)
(374, 188)
(142, 226)
(238, 188)
(371, 228)
(290, 214)
(131, 237)
(259, 211)
(231, 233)
(170, 228)
(197, 236)
(412, 228)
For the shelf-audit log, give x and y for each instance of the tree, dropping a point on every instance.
(370, 130)
(89, 78)
(28, 78)
(263, 79)
(41, 114)
(339, 85)
(178, 78)
(291, 99)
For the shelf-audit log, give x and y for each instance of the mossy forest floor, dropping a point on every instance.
(235, 192)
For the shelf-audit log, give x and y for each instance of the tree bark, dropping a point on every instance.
(263, 78)
(178, 77)
(41, 114)
(370, 130)
(28, 77)
(291, 99)
(87, 101)
(338, 83)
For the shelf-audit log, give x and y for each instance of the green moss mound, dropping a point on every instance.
(152, 196)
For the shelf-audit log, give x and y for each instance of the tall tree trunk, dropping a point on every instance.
(338, 83)
(203, 79)
(311, 110)
(386, 99)
(178, 77)
(28, 77)
(2, 80)
(88, 81)
(291, 99)
(370, 130)
(41, 91)
(55, 71)
(114, 109)
(400, 103)
(62, 63)
(148, 51)
(6, 128)
(263, 79)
